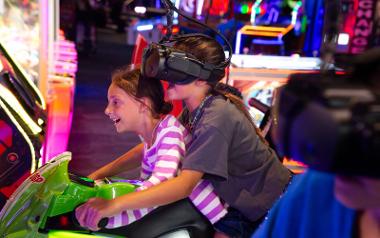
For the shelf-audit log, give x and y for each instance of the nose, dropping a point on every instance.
(107, 111)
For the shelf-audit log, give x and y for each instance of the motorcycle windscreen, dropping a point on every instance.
(27, 207)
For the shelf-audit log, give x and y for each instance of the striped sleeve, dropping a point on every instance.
(127, 217)
(207, 201)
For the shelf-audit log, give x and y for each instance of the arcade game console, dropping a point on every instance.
(22, 125)
(270, 22)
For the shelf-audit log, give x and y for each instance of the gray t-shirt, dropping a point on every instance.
(245, 172)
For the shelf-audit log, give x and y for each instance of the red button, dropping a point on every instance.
(12, 157)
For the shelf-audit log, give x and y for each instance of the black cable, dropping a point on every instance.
(171, 6)
(169, 22)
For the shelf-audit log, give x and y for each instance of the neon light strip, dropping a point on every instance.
(23, 133)
(257, 63)
(264, 28)
(15, 104)
(295, 12)
(254, 10)
(145, 27)
(238, 42)
(260, 33)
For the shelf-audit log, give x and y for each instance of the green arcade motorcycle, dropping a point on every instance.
(43, 206)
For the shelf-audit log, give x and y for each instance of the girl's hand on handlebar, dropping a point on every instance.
(93, 176)
(90, 213)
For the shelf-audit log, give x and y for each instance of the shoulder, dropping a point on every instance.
(219, 110)
(170, 126)
(222, 115)
(170, 121)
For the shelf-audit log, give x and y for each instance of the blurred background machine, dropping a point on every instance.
(37, 80)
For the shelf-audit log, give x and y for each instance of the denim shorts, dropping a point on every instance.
(236, 225)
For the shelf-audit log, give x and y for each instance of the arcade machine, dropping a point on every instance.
(258, 76)
(270, 22)
(22, 125)
(146, 18)
(259, 65)
(149, 19)
(33, 69)
(23, 107)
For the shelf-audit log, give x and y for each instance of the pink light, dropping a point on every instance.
(59, 118)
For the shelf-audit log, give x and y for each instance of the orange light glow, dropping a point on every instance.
(265, 30)
(295, 166)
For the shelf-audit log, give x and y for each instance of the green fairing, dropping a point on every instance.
(50, 192)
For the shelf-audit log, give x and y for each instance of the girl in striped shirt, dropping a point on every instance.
(136, 104)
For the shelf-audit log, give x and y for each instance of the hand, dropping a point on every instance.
(90, 213)
(93, 176)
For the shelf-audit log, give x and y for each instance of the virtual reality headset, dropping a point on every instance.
(169, 64)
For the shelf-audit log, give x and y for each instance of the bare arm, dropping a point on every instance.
(128, 161)
(166, 192)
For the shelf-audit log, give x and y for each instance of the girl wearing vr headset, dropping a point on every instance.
(226, 149)
(136, 103)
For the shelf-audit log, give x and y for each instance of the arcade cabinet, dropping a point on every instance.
(37, 71)
(270, 21)
(22, 125)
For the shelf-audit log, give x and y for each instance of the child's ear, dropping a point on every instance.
(145, 104)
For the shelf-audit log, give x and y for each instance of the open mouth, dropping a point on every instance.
(115, 120)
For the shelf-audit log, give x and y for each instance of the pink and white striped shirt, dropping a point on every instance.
(161, 162)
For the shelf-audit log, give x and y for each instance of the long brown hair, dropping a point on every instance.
(129, 79)
(207, 49)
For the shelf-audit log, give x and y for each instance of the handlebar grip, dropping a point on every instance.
(103, 222)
